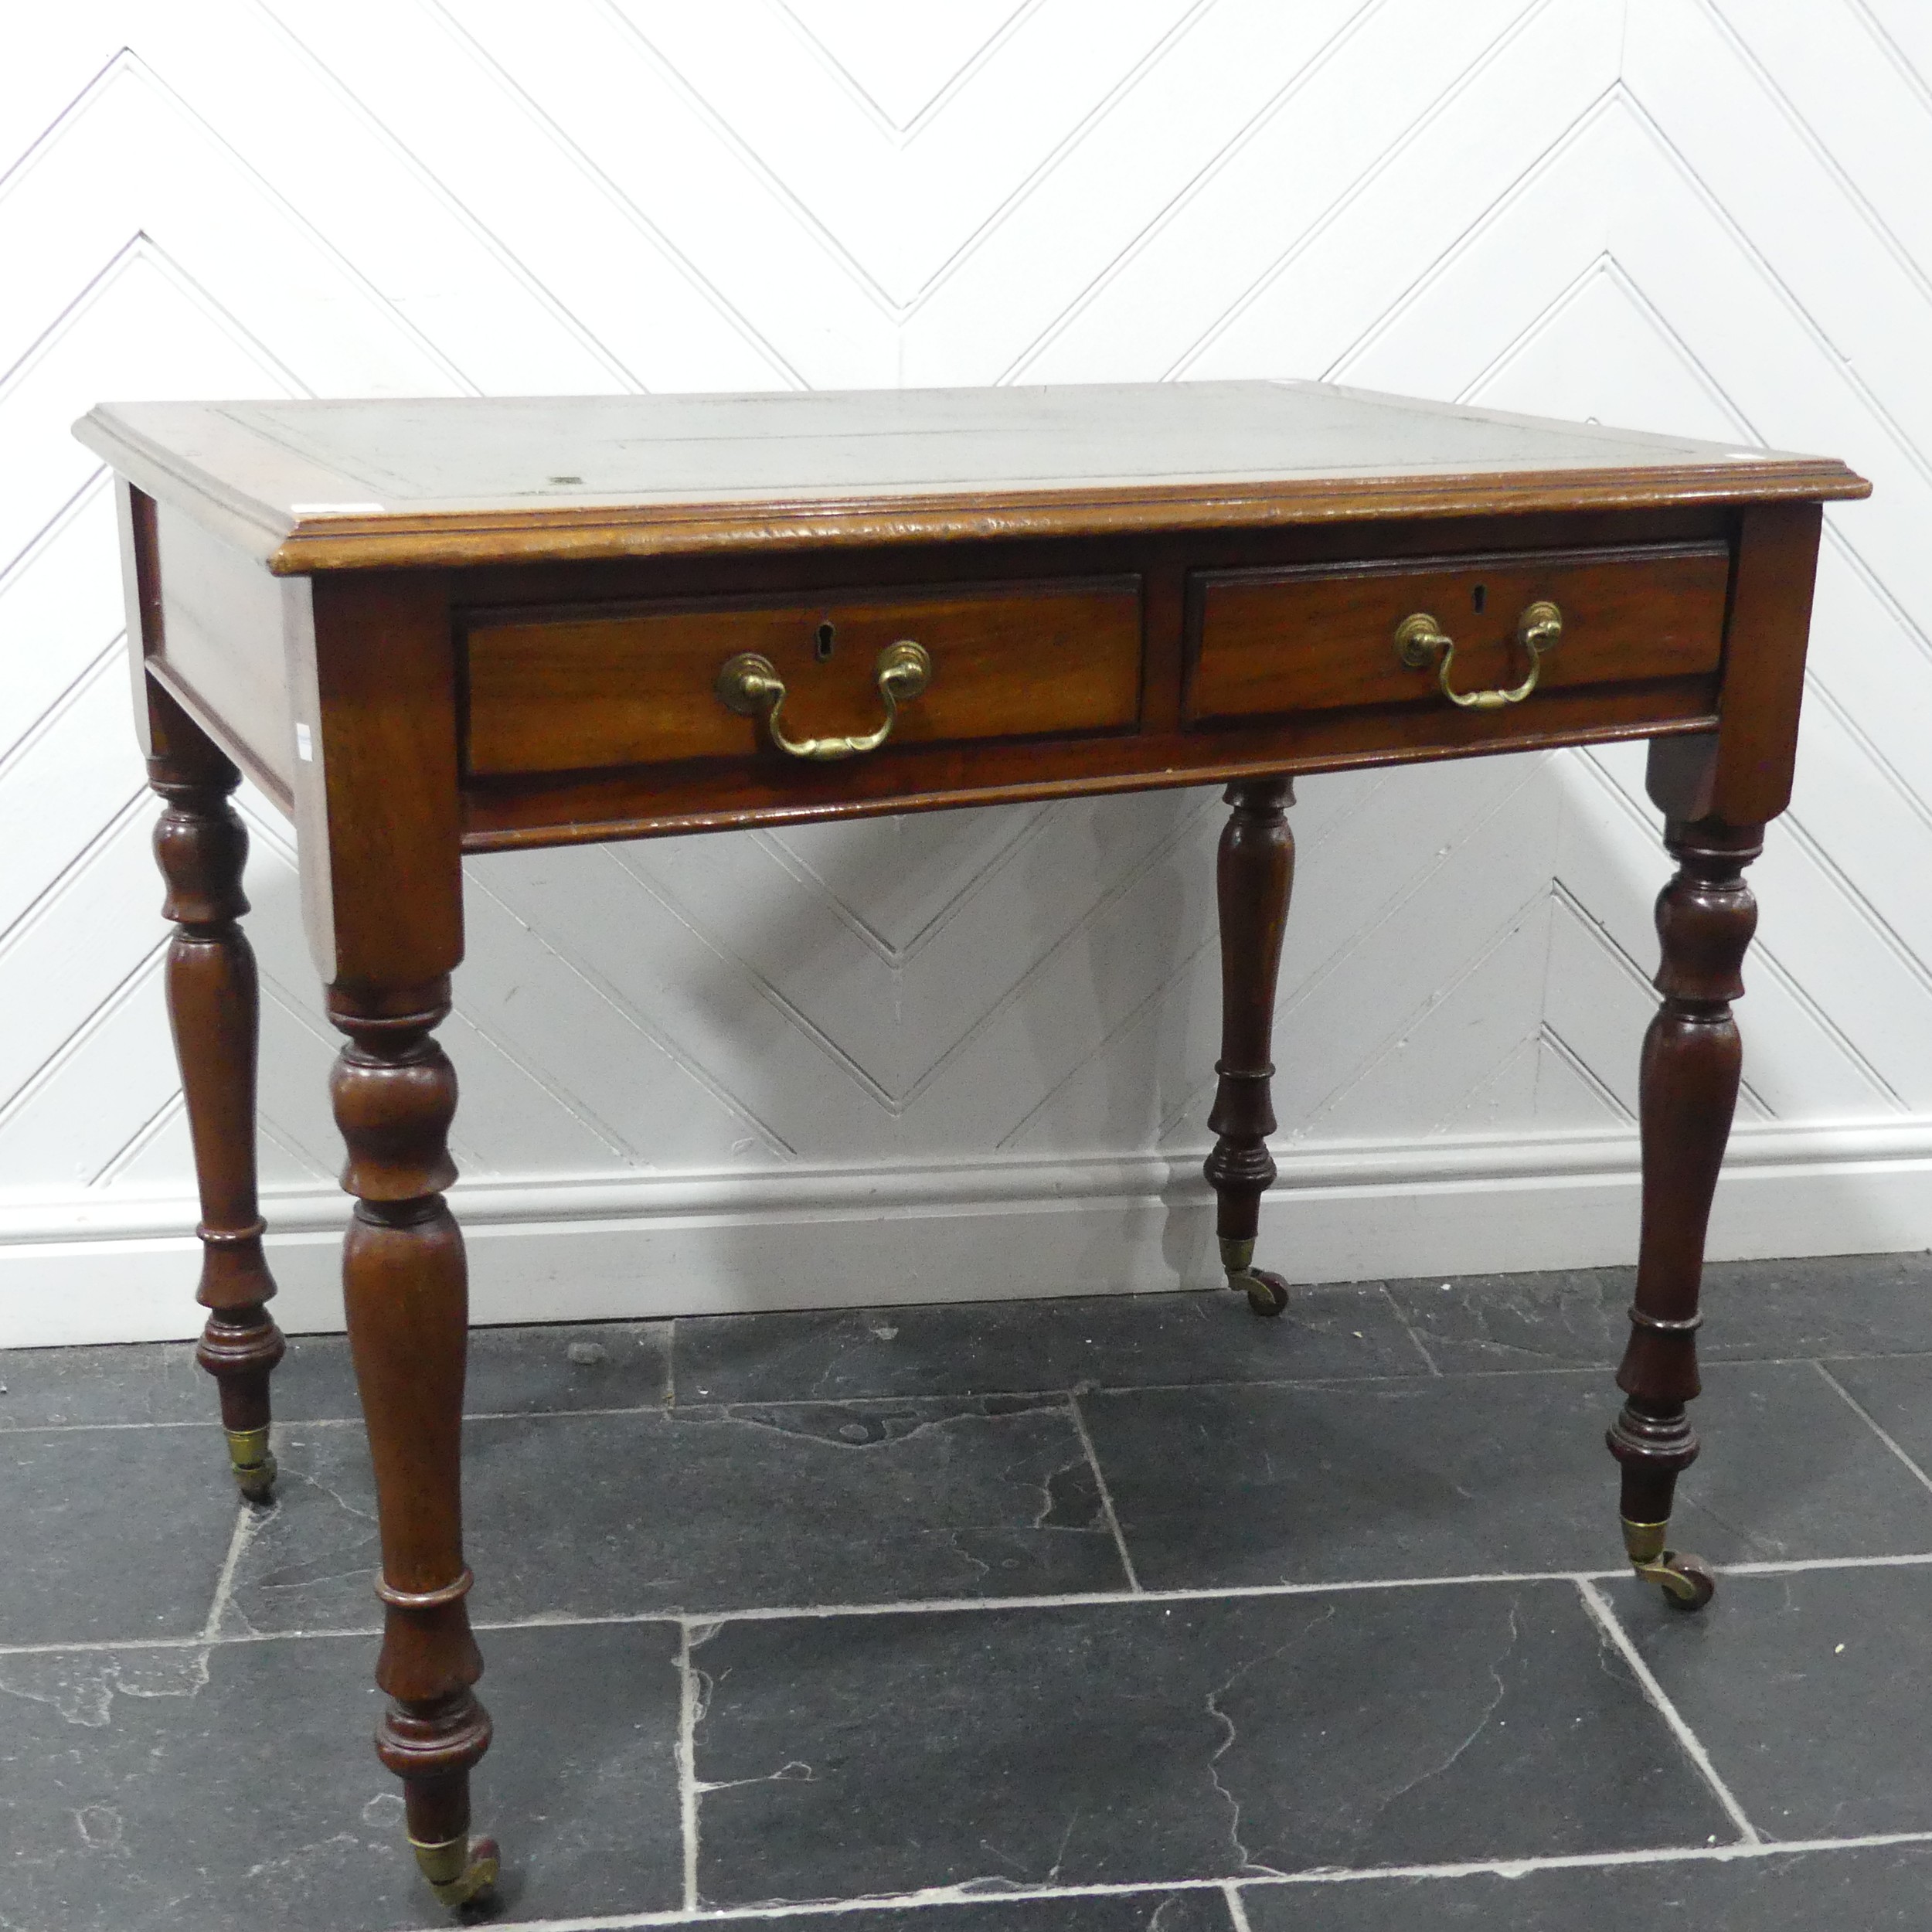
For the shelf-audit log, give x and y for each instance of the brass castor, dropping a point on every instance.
(1267, 1293)
(253, 1462)
(459, 1873)
(1688, 1582)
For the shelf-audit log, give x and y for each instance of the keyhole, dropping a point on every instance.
(1478, 597)
(823, 649)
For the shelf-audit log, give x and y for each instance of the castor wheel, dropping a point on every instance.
(1267, 1293)
(1688, 1583)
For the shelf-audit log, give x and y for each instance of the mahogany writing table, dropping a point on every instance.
(430, 628)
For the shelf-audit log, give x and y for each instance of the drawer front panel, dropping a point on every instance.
(1320, 637)
(585, 692)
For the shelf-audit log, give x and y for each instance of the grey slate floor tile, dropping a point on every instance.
(1896, 1391)
(1754, 1311)
(134, 1382)
(871, 1457)
(233, 1789)
(513, 1371)
(1810, 1691)
(1182, 1910)
(708, 1509)
(112, 1534)
(1154, 1741)
(1875, 1888)
(987, 1347)
(1468, 1475)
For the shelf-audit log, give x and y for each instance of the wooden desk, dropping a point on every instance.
(429, 628)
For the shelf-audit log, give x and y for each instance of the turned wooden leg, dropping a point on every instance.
(406, 1293)
(1687, 1092)
(1253, 873)
(213, 1006)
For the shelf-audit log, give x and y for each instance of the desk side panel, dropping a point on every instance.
(224, 624)
(1743, 773)
(140, 589)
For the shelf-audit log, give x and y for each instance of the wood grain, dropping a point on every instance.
(1743, 775)
(140, 599)
(652, 801)
(326, 486)
(1254, 874)
(386, 765)
(223, 647)
(1316, 637)
(405, 1291)
(1692, 1060)
(562, 693)
(1686, 550)
(214, 1006)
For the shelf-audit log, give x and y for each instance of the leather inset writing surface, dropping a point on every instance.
(317, 486)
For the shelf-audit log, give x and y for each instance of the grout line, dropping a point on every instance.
(1107, 1495)
(687, 1766)
(1599, 1861)
(1794, 1565)
(941, 1895)
(1871, 1423)
(1044, 1396)
(949, 1605)
(904, 1607)
(93, 1646)
(970, 1894)
(671, 1365)
(1408, 1328)
(1598, 1606)
(1102, 1599)
(244, 1530)
(1237, 1908)
(100, 1428)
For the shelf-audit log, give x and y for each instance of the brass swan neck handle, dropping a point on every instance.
(749, 684)
(1418, 638)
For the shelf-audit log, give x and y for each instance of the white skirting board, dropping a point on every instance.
(559, 1250)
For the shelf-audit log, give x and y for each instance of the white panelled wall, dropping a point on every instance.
(971, 1054)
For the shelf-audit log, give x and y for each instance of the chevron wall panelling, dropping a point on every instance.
(970, 1054)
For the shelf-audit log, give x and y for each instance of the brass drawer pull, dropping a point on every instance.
(749, 684)
(1418, 638)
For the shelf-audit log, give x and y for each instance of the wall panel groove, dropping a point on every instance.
(971, 1054)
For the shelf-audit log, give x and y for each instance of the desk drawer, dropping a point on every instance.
(1323, 636)
(580, 690)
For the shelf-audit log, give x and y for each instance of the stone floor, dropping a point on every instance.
(1069, 1616)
